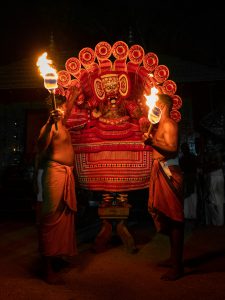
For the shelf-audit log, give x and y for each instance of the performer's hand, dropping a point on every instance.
(148, 139)
(56, 115)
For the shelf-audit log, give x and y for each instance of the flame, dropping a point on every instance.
(44, 65)
(152, 98)
(47, 71)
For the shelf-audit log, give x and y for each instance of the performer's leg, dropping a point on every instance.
(49, 275)
(168, 262)
(176, 245)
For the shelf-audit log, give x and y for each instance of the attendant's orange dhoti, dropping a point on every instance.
(165, 195)
(57, 228)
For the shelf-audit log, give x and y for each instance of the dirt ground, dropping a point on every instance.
(114, 273)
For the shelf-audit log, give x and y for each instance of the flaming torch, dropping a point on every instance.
(50, 77)
(154, 113)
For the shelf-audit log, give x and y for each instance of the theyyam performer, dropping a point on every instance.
(109, 119)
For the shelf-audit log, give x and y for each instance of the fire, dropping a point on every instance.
(44, 65)
(154, 113)
(152, 98)
(47, 71)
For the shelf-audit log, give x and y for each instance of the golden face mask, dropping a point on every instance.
(110, 84)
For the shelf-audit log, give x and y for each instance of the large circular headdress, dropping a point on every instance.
(137, 71)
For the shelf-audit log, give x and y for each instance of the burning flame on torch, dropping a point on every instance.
(50, 77)
(152, 98)
(154, 113)
(47, 71)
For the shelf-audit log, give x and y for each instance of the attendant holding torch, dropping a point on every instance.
(166, 186)
(57, 238)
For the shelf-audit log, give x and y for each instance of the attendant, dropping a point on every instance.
(166, 187)
(57, 238)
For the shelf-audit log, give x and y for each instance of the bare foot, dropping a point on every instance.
(173, 274)
(165, 263)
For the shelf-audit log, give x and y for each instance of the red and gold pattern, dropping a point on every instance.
(64, 79)
(175, 115)
(73, 65)
(150, 61)
(169, 87)
(120, 50)
(124, 85)
(75, 82)
(114, 170)
(60, 91)
(110, 116)
(103, 50)
(177, 102)
(87, 56)
(99, 89)
(141, 72)
(136, 54)
(161, 73)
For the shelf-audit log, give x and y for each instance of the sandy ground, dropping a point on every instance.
(114, 273)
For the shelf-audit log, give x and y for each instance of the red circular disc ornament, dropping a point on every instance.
(120, 50)
(73, 65)
(177, 102)
(103, 50)
(81, 71)
(64, 78)
(175, 115)
(161, 73)
(136, 54)
(169, 87)
(87, 56)
(150, 61)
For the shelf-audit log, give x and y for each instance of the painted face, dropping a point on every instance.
(111, 85)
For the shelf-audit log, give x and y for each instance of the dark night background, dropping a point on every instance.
(192, 32)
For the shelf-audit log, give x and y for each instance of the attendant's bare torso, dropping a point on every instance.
(166, 139)
(60, 148)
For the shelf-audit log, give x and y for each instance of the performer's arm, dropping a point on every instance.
(45, 136)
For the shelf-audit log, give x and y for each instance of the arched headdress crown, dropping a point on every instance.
(128, 70)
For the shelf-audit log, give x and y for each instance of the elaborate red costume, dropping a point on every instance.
(110, 116)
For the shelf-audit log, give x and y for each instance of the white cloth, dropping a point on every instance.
(215, 201)
(172, 162)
